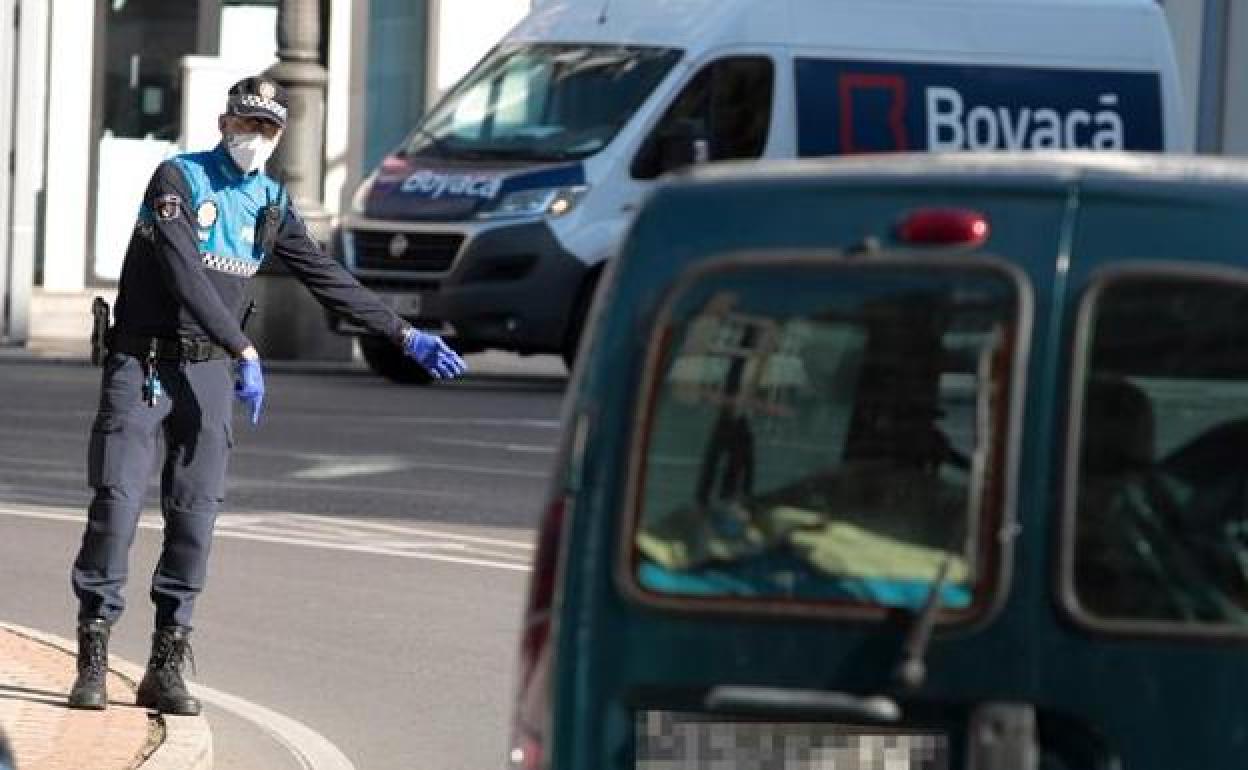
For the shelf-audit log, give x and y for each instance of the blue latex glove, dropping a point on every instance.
(249, 387)
(431, 352)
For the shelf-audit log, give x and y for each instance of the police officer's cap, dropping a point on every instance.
(258, 97)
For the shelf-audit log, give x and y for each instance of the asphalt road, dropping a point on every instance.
(369, 569)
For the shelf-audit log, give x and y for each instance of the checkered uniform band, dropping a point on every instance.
(244, 267)
(253, 102)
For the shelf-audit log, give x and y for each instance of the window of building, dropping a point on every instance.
(144, 43)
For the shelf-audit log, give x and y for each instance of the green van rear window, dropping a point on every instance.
(1159, 499)
(827, 433)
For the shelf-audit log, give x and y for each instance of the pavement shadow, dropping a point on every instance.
(44, 697)
(507, 382)
(30, 695)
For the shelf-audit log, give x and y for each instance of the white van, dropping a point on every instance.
(493, 220)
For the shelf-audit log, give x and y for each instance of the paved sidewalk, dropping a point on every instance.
(36, 671)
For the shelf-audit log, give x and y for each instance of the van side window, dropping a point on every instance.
(828, 434)
(1160, 529)
(727, 105)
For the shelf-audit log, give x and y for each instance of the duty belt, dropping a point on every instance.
(182, 349)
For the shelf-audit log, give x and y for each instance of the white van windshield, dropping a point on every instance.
(542, 101)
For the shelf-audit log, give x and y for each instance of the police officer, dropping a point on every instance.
(207, 222)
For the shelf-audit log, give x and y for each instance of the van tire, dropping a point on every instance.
(385, 358)
(576, 321)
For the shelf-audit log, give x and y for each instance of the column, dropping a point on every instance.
(28, 155)
(69, 148)
(1235, 127)
(1187, 21)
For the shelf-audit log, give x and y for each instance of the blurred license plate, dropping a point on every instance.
(668, 740)
(403, 304)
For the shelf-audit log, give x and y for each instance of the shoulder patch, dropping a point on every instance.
(168, 206)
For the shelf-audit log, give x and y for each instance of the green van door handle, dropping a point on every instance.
(840, 705)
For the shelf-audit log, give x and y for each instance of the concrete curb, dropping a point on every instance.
(187, 742)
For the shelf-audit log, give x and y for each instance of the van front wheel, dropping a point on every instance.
(385, 358)
(576, 322)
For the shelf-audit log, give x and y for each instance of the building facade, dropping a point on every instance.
(82, 133)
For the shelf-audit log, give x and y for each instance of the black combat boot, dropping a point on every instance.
(162, 687)
(89, 691)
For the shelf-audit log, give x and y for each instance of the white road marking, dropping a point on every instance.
(346, 535)
(326, 466)
(529, 448)
(371, 549)
(400, 544)
(239, 482)
(319, 520)
(412, 463)
(310, 749)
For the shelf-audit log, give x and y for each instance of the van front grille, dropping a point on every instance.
(420, 252)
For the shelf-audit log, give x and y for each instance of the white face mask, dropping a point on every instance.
(250, 151)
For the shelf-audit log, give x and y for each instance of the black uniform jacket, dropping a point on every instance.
(197, 242)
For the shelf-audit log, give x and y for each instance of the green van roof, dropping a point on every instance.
(1135, 167)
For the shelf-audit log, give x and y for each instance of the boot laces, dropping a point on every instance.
(173, 653)
(93, 658)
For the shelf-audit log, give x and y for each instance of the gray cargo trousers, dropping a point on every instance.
(194, 416)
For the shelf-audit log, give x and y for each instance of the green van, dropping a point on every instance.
(926, 462)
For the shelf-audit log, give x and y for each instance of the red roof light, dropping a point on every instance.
(943, 227)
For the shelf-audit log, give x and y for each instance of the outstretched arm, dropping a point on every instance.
(337, 290)
(330, 283)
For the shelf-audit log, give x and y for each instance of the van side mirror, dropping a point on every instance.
(679, 145)
(675, 151)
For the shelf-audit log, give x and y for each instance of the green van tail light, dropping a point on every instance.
(533, 673)
(943, 227)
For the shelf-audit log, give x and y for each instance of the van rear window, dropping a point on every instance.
(827, 433)
(1160, 469)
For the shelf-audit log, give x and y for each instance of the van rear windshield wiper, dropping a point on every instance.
(911, 670)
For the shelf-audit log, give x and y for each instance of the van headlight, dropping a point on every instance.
(360, 200)
(548, 201)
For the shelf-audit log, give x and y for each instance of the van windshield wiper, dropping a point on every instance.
(436, 142)
(520, 153)
(911, 670)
